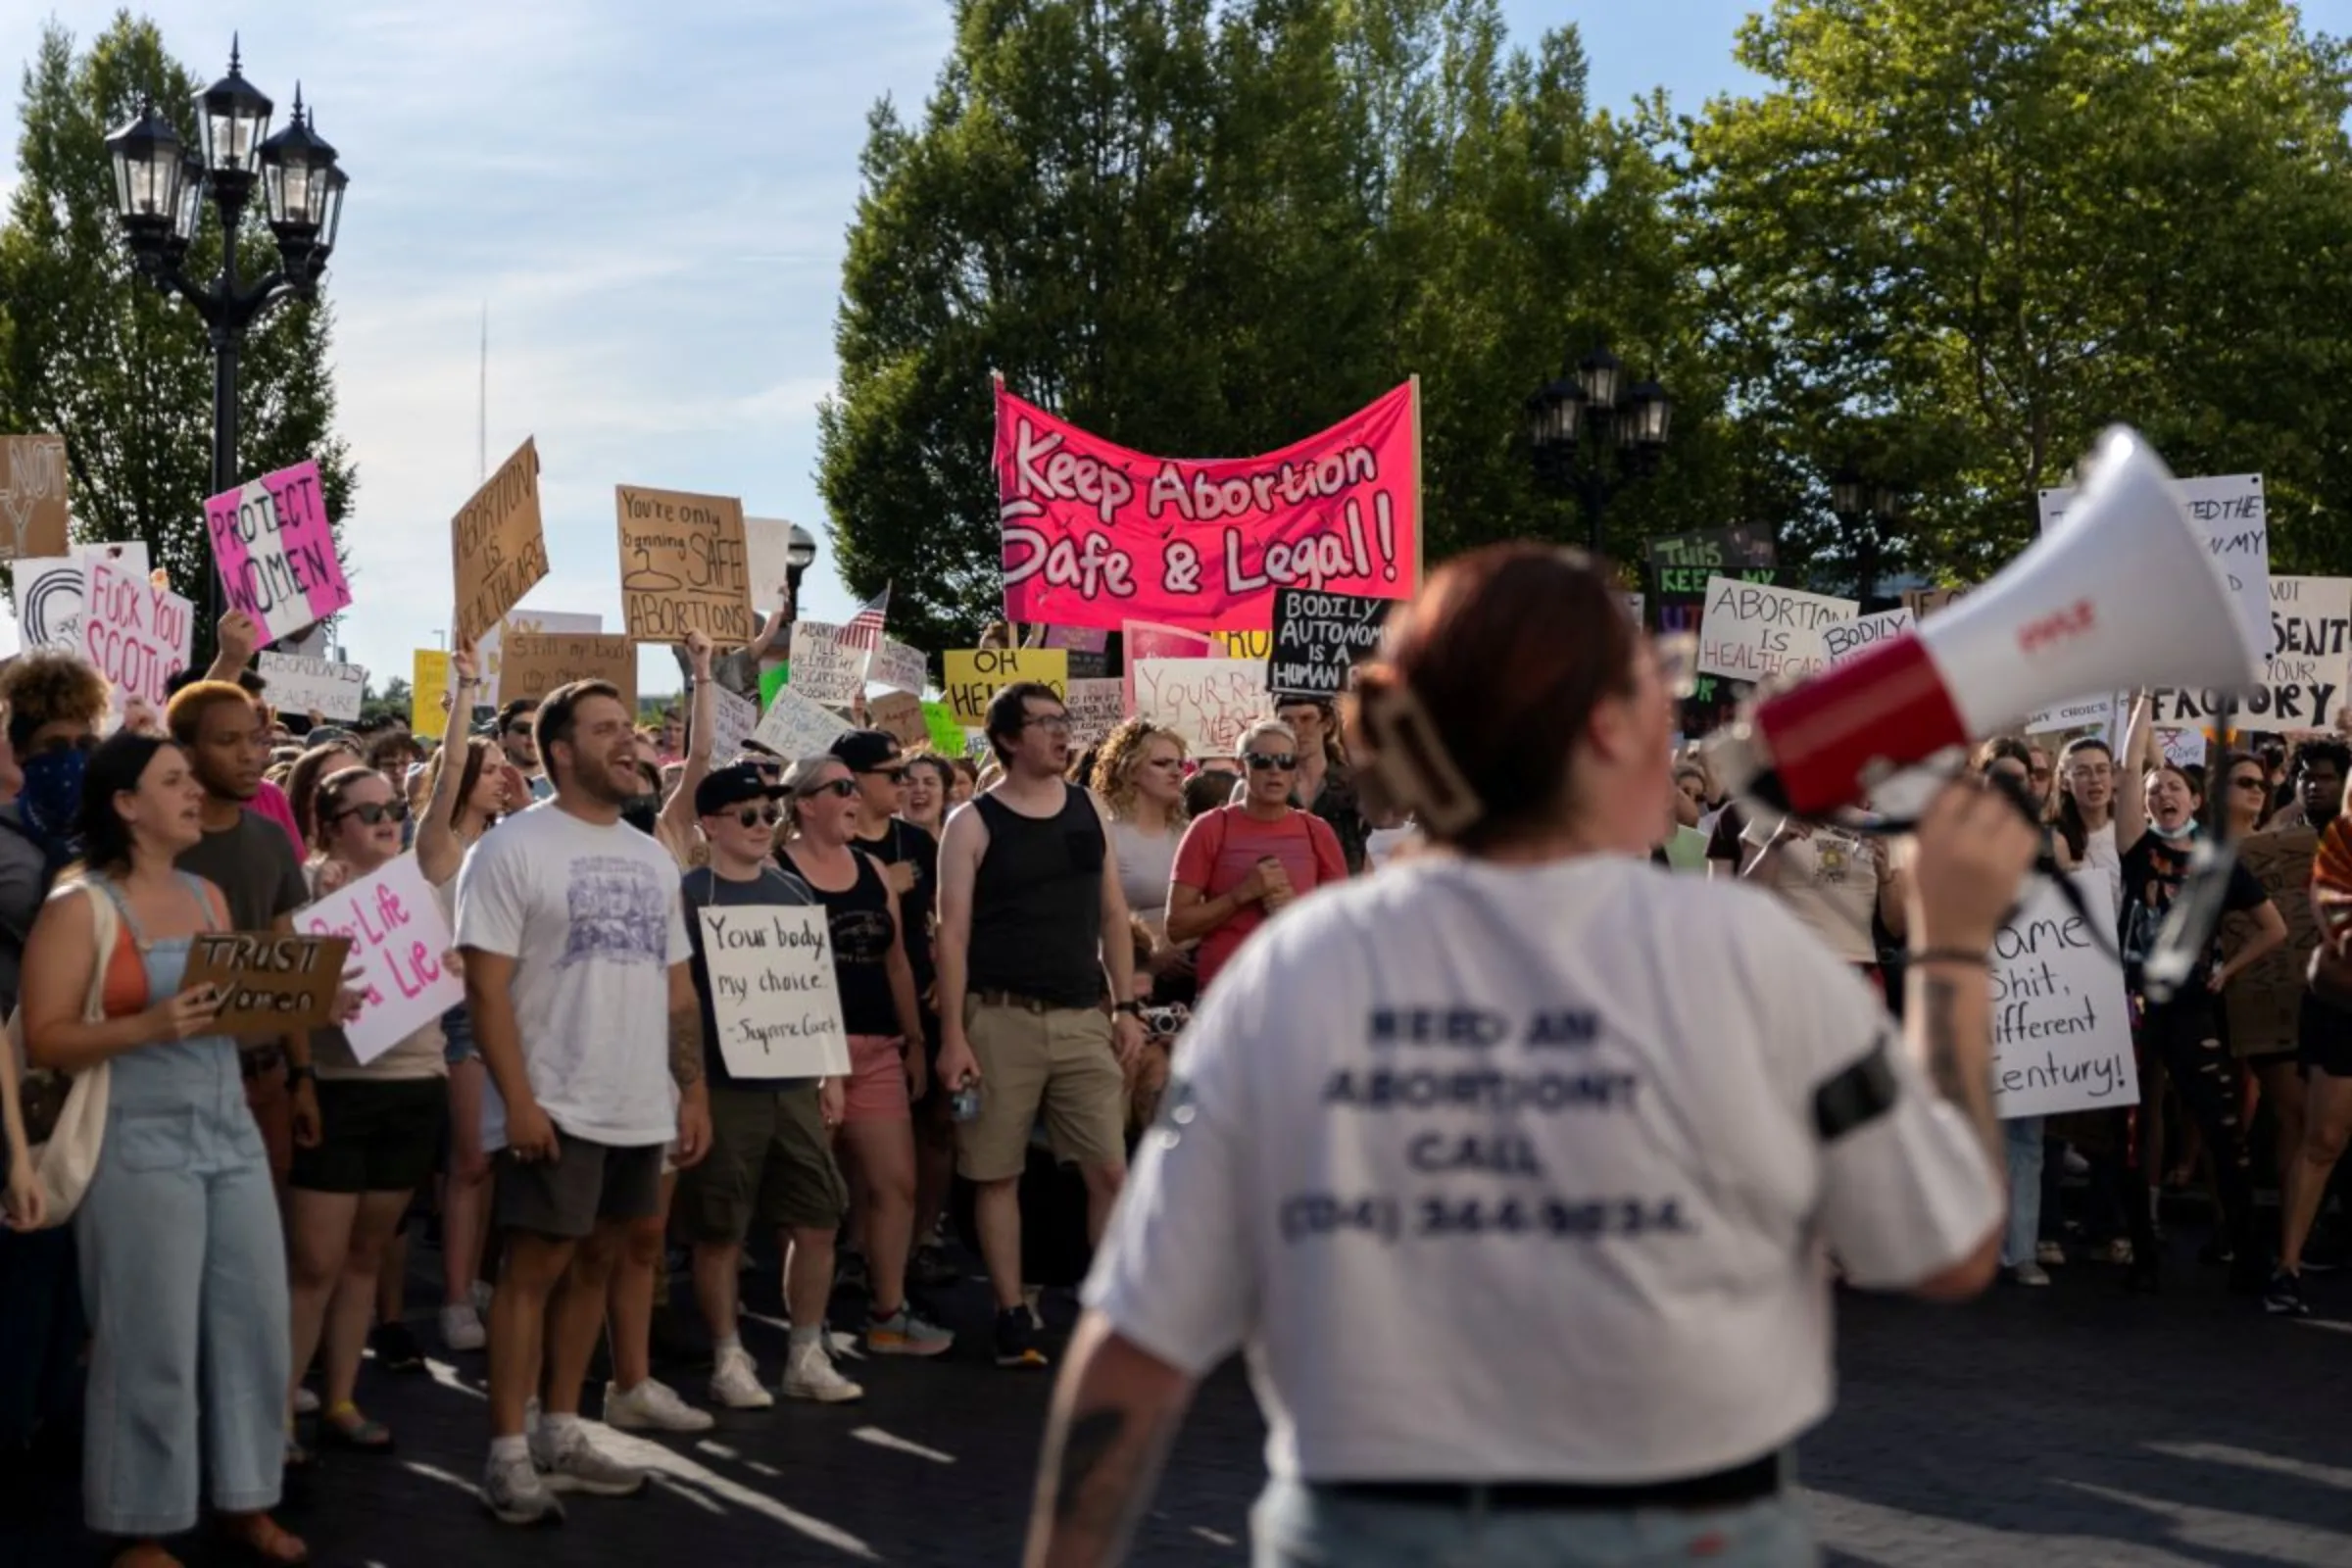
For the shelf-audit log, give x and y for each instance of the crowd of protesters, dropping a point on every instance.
(1015, 945)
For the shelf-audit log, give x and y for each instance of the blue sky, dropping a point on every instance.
(652, 200)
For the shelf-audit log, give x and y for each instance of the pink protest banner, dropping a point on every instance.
(137, 634)
(274, 552)
(1096, 534)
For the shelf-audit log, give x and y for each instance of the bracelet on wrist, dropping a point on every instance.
(1974, 957)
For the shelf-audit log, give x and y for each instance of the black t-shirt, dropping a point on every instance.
(253, 864)
(2154, 871)
(1722, 844)
(858, 917)
(905, 844)
(702, 888)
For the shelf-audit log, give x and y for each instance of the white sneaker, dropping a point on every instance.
(735, 1381)
(306, 1402)
(515, 1493)
(2030, 1274)
(568, 1462)
(652, 1406)
(461, 1327)
(810, 1374)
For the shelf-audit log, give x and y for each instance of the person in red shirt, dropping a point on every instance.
(1239, 864)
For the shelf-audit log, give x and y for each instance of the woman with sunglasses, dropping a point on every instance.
(380, 1132)
(880, 1013)
(1239, 864)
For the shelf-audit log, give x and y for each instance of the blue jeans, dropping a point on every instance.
(2021, 1137)
(1296, 1525)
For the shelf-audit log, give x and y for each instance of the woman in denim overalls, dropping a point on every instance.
(182, 1263)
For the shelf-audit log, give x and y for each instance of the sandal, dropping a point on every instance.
(265, 1539)
(346, 1428)
(298, 1457)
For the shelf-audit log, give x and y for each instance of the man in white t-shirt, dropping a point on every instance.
(571, 919)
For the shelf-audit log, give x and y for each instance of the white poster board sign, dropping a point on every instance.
(399, 939)
(898, 667)
(2061, 1030)
(299, 685)
(2099, 713)
(1843, 640)
(1754, 630)
(732, 721)
(2308, 639)
(824, 667)
(137, 635)
(1209, 702)
(773, 991)
(794, 727)
(1096, 707)
(49, 603)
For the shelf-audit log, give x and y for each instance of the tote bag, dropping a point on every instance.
(67, 1159)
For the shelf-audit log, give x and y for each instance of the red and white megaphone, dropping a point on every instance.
(2123, 593)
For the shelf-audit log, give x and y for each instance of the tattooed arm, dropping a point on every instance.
(686, 1066)
(1115, 1412)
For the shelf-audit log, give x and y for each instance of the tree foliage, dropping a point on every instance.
(92, 351)
(1211, 229)
(1955, 238)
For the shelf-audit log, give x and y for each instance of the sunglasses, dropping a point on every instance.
(375, 813)
(896, 774)
(1279, 761)
(2247, 781)
(759, 816)
(840, 789)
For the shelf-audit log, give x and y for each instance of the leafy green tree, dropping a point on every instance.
(1206, 228)
(1960, 236)
(92, 351)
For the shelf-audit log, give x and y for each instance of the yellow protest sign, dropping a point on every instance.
(427, 686)
(1245, 644)
(974, 675)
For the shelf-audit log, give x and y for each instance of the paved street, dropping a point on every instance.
(2060, 1427)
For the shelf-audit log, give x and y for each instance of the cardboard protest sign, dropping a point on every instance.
(498, 543)
(1318, 638)
(1752, 630)
(534, 664)
(900, 715)
(49, 603)
(826, 669)
(318, 686)
(2061, 1030)
(793, 727)
(1926, 602)
(732, 721)
(683, 567)
(32, 497)
(946, 730)
(1096, 707)
(491, 648)
(428, 686)
(2265, 998)
(1843, 640)
(2229, 512)
(137, 635)
(2305, 637)
(269, 983)
(900, 667)
(274, 551)
(972, 676)
(768, 560)
(1209, 702)
(400, 938)
(1680, 563)
(1095, 534)
(773, 992)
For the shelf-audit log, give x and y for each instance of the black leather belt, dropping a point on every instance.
(1722, 1488)
(1013, 999)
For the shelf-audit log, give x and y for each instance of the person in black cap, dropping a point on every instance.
(771, 1159)
(909, 858)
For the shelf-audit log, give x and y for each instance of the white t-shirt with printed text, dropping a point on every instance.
(1511, 1173)
(592, 917)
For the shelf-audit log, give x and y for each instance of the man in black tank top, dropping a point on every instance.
(1030, 919)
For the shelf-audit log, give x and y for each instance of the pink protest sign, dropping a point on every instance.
(1096, 534)
(274, 552)
(137, 634)
(399, 937)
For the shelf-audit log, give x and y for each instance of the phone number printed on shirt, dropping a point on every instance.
(1308, 1215)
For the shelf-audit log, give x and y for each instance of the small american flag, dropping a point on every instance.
(864, 628)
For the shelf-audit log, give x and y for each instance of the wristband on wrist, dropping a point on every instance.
(1976, 958)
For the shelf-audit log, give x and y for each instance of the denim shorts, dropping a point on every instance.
(457, 1026)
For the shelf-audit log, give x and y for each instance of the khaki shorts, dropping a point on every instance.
(1056, 1058)
(771, 1164)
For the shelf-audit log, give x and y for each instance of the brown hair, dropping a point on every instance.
(1122, 752)
(306, 779)
(46, 687)
(478, 757)
(1472, 714)
(326, 802)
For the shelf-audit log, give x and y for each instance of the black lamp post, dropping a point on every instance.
(1871, 513)
(160, 192)
(1591, 434)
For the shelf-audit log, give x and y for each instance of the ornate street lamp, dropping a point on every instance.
(1871, 513)
(1590, 435)
(160, 189)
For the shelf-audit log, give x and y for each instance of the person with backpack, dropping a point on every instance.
(1240, 864)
